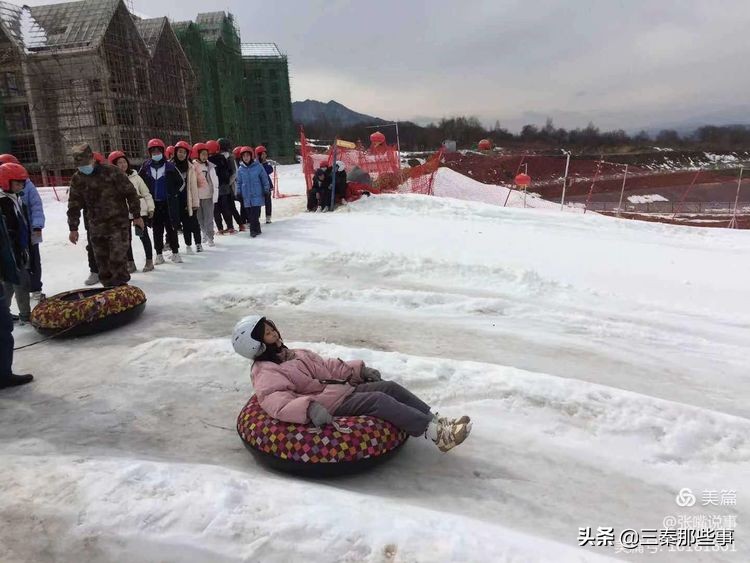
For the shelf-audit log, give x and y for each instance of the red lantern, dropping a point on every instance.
(485, 145)
(377, 138)
(523, 180)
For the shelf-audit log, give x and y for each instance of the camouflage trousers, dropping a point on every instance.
(111, 253)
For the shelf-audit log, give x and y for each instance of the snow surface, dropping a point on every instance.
(650, 198)
(603, 361)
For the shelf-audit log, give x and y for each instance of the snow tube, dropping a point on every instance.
(298, 449)
(88, 311)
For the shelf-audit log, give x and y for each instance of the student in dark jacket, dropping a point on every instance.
(262, 154)
(223, 207)
(165, 184)
(340, 181)
(16, 220)
(321, 184)
(8, 274)
(225, 146)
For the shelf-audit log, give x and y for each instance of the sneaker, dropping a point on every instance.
(159, 260)
(319, 210)
(38, 296)
(231, 231)
(243, 228)
(14, 380)
(449, 435)
(446, 420)
(325, 210)
(199, 248)
(268, 220)
(211, 242)
(132, 267)
(189, 250)
(93, 279)
(149, 267)
(222, 232)
(24, 319)
(176, 258)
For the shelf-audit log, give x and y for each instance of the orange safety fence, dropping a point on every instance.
(376, 169)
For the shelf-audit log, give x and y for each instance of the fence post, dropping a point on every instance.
(733, 220)
(622, 191)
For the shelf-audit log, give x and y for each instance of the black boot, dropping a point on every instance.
(15, 380)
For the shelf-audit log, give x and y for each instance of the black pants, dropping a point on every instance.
(239, 216)
(163, 223)
(325, 198)
(244, 219)
(312, 199)
(145, 241)
(6, 337)
(35, 265)
(254, 215)
(269, 205)
(190, 228)
(223, 208)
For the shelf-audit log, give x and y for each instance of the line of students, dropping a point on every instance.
(193, 190)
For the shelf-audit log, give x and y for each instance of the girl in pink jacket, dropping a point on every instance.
(301, 387)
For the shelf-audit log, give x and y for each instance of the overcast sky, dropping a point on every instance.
(628, 63)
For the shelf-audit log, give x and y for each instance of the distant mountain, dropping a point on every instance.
(311, 111)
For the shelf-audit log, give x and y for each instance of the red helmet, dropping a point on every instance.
(169, 152)
(114, 156)
(236, 151)
(198, 147)
(259, 149)
(156, 143)
(8, 158)
(11, 171)
(213, 147)
(99, 157)
(182, 145)
(245, 149)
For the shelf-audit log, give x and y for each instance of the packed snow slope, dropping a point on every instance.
(604, 363)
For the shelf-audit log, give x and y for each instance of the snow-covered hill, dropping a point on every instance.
(604, 363)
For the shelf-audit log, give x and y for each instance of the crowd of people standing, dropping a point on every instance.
(188, 191)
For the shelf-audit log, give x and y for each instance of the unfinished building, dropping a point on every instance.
(242, 90)
(84, 72)
(266, 79)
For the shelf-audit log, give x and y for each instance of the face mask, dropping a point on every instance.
(157, 157)
(87, 170)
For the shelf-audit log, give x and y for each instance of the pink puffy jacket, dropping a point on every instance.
(286, 390)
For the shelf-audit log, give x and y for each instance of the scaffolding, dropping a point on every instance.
(266, 80)
(89, 71)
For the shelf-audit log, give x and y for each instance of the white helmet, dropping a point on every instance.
(242, 338)
(340, 165)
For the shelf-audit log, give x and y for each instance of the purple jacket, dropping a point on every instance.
(286, 390)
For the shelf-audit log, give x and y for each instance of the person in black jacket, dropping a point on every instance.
(225, 145)
(18, 225)
(10, 274)
(320, 187)
(262, 154)
(165, 184)
(223, 207)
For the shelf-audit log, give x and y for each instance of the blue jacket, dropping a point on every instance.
(33, 202)
(253, 183)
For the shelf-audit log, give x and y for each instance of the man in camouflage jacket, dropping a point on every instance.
(107, 196)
